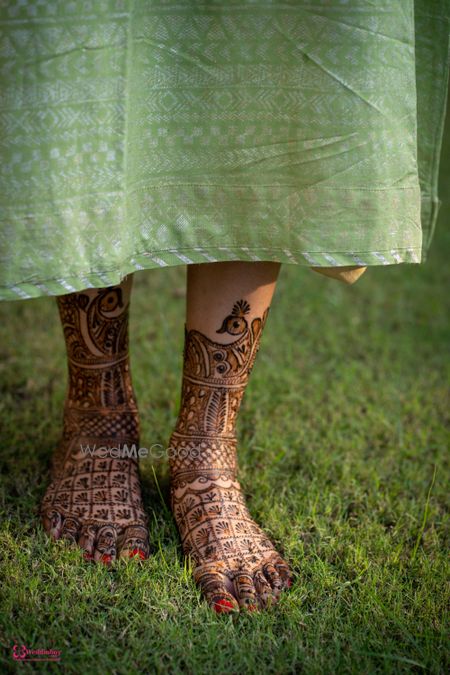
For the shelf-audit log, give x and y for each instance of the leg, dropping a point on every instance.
(348, 274)
(235, 564)
(95, 495)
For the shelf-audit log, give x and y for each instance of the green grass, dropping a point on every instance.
(343, 450)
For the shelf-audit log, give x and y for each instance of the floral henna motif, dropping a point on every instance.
(95, 494)
(235, 564)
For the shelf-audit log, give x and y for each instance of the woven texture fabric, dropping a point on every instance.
(141, 134)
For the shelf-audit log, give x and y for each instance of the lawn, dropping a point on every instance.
(343, 452)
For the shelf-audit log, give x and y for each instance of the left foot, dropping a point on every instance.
(235, 564)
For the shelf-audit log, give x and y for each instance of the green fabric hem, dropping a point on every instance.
(188, 256)
(205, 224)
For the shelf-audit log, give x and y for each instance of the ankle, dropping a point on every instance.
(201, 456)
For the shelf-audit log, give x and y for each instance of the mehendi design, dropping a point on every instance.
(95, 496)
(235, 563)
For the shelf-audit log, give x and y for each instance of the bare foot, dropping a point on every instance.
(94, 498)
(235, 563)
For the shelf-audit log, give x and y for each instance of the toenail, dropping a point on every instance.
(106, 558)
(223, 605)
(88, 556)
(137, 551)
(289, 583)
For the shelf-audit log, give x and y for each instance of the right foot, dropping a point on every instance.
(235, 564)
(94, 498)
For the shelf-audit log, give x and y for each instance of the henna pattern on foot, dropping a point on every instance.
(235, 563)
(94, 498)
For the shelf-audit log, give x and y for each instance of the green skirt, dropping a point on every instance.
(137, 134)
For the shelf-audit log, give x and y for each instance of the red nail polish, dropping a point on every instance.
(222, 605)
(106, 558)
(289, 583)
(88, 556)
(138, 552)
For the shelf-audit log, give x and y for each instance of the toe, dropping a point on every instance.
(213, 585)
(87, 539)
(264, 591)
(223, 604)
(284, 572)
(133, 542)
(273, 578)
(245, 591)
(105, 546)
(52, 522)
(70, 529)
